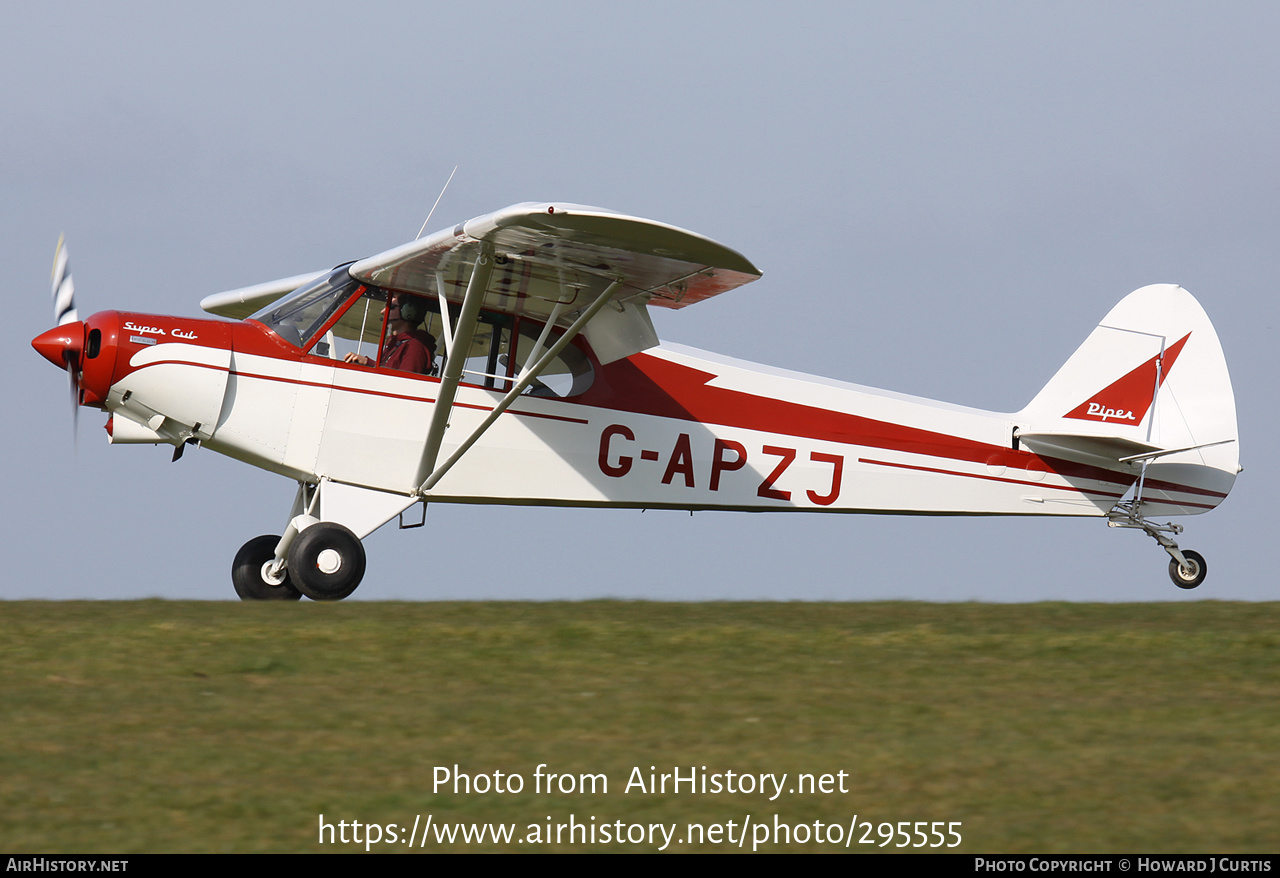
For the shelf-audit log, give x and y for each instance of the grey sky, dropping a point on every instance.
(944, 199)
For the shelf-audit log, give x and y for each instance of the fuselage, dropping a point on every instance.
(669, 427)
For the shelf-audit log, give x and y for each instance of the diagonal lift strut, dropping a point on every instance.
(429, 474)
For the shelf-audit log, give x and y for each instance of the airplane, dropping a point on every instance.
(548, 386)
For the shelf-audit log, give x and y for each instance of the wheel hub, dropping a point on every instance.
(272, 576)
(329, 562)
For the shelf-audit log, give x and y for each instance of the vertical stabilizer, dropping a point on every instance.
(1151, 374)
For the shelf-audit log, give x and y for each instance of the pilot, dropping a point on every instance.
(409, 349)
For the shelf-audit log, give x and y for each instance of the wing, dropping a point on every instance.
(548, 251)
(552, 260)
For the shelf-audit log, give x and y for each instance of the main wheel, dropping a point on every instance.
(246, 573)
(326, 562)
(1191, 575)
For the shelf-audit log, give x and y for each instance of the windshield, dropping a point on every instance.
(300, 315)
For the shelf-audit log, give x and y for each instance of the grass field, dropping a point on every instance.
(182, 726)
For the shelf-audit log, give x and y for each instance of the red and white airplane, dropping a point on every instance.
(550, 387)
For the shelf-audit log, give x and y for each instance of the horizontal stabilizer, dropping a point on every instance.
(1109, 452)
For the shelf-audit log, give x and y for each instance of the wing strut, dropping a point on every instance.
(527, 377)
(459, 341)
(534, 357)
(445, 321)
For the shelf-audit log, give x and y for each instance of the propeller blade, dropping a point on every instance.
(73, 380)
(64, 290)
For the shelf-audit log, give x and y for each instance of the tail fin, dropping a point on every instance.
(1149, 384)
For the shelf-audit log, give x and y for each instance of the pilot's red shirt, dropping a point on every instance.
(410, 352)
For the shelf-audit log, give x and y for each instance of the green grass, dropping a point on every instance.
(159, 726)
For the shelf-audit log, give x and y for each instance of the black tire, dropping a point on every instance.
(326, 562)
(246, 572)
(1193, 575)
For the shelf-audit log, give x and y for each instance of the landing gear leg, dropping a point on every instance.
(1187, 569)
(322, 559)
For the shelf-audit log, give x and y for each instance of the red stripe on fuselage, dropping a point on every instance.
(1046, 486)
(990, 478)
(240, 373)
(645, 384)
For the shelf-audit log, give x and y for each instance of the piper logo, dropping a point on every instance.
(1097, 410)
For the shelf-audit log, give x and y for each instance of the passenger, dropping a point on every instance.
(408, 348)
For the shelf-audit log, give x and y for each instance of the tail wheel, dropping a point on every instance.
(1192, 574)
(326, 562)
(247, 573)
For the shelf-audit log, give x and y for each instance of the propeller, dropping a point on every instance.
(65, 340)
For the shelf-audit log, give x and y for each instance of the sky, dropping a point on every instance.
(944, 199)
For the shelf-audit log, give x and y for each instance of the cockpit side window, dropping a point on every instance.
(357, 330)
(568, 374)
(487, 363)
(385, 329)
(504, 345)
